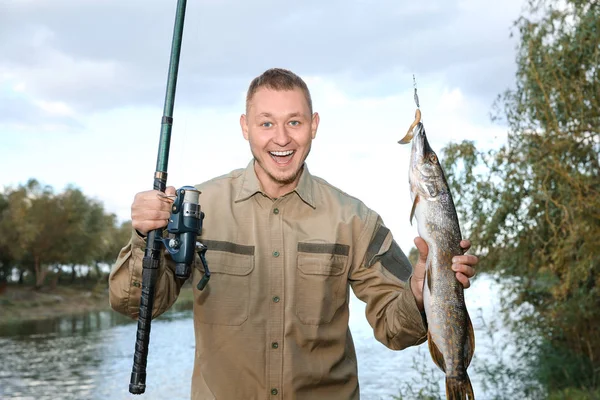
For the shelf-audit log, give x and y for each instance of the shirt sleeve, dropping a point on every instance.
(380, 276)
(125, 281)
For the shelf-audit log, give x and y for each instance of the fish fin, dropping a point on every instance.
(470, 344)
(436, 354)
(428, 278)
(459, 388)
(414, 208)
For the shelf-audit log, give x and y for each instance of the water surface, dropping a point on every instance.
(90, 356)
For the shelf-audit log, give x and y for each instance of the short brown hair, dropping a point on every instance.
(278, 79)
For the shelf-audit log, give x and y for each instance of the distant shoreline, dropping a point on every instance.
(19, 303)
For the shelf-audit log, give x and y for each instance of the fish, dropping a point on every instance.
(450, 333)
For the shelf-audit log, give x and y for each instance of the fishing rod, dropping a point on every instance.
(154, 241)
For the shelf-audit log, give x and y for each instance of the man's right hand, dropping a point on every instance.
(151, 211)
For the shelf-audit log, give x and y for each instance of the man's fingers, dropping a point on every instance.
(468, 259)
(150, 215)
(463, 279)
(466, 270)
(465, 244)
(149, 211)
(168, 196)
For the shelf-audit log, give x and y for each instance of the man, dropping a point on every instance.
(284, 248)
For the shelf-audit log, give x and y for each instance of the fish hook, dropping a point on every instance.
(410, 134)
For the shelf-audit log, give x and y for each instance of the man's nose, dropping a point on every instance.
(282, 137)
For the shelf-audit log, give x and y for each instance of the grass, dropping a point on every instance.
(21, 303)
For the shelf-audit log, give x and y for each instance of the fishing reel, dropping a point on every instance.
(185, 224)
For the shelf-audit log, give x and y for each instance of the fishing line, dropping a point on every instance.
(416, 95)
(409, 134)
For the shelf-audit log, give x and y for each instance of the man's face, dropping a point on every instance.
(280, 130)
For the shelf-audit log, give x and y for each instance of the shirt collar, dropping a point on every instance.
(251, 185)
(305, 187)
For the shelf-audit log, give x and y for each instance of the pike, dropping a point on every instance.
(450, 331)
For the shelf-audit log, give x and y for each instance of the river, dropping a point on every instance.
(90, 356)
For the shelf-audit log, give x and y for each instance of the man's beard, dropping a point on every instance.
(281, 181)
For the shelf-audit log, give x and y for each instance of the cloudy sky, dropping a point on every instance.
(82, 85)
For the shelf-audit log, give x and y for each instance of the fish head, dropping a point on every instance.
(426, 177)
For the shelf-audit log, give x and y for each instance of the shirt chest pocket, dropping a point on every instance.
(320, 288)
(224, 301)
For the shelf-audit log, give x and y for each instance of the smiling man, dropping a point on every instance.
(280, 126)
(284, 249)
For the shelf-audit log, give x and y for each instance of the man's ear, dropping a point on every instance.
(244, 125)
(314, 125)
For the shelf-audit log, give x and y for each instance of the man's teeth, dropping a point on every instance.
(282, 153)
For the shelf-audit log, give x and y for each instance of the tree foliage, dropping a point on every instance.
(42, 231)
(533, 205)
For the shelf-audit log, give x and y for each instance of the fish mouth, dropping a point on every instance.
(420, 143)
(420, 152)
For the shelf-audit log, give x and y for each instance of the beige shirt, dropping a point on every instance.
(273, 321)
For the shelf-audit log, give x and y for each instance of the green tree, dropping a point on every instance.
(28, 240)
(42, 231)
(45, 225)
(6, 261)
(113, 240)
(532, 207)
(86, 225)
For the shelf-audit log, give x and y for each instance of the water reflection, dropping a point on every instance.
(81, 324)
(65, 326)
(90, 356)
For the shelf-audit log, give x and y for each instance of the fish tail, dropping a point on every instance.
(459, 388)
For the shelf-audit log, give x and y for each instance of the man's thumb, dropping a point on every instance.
(422, 247)
(170, 191)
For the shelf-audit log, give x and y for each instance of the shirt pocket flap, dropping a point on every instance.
(321, 264)
(222, 262)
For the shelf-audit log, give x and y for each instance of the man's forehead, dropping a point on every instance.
(268, 102)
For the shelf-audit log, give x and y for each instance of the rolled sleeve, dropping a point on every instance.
(125, 281)
(380, 277)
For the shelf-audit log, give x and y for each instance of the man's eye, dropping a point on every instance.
(267, 124)
(294, 123)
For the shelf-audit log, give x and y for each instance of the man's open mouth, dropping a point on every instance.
(282, 157)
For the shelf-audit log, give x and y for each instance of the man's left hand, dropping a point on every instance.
(462, 265)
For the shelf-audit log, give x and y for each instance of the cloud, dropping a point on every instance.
(22, 113)
(104, 54)
(355, 149)
(98, 68)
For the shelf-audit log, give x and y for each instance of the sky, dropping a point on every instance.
(82, 87)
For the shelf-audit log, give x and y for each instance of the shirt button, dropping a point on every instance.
(275, 345)
(276, 211)
(275, 253)
(274, 392)
(275, 299)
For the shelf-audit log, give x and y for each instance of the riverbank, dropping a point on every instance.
(22, 303)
